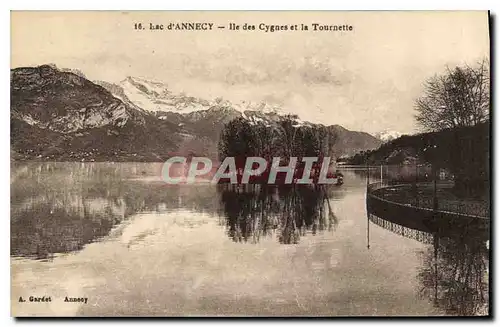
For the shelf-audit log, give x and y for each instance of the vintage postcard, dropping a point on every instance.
(250, 163)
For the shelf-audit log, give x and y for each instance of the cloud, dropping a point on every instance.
(257, 71)
(320, 72)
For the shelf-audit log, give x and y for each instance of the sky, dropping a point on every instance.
(366, 79)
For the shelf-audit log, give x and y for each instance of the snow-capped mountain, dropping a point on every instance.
(58, 114)
(387, 135)
(155, 96)
(262, 107)
(181, 109)
(207, 117)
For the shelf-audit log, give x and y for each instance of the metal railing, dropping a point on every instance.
(418, 235)
(423, 196)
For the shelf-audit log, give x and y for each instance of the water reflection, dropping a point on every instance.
(146, 239)
(454, 274)
(454, 270)
(61, 225)
(61, 207)
(252, 211)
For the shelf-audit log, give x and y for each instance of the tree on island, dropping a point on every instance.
(285, 137)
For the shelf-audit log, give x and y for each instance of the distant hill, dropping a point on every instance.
(424, 148)
(464, 151)
(351, 142)
(60, 115)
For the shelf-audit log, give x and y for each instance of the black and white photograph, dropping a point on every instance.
(250, 164)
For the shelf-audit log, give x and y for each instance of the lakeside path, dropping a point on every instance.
(422, 196)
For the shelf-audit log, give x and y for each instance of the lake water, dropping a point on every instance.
(133, 246)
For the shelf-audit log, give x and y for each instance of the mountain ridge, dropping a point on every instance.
(75, 119)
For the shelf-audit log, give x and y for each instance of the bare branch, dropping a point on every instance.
(459, 97)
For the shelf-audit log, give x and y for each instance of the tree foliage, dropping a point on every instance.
(458, 98)
(284, 138)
